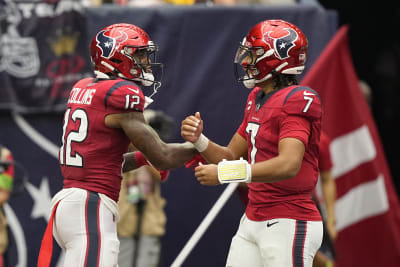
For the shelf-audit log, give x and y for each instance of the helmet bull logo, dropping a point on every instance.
(283, 44)
(108, 44)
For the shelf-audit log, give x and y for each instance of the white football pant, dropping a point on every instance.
(85, 227)
(275, 243)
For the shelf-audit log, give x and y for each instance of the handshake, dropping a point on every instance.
(226, 171)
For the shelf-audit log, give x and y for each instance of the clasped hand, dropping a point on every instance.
(207, 174)
(191, 129)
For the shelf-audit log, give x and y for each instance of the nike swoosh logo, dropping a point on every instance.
(307, 93)
(270, 224)
(133, 90)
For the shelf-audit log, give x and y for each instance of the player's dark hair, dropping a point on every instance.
(284, 80)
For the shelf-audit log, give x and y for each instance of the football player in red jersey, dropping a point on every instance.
(279, 137)
(103, 116)
(324, 257)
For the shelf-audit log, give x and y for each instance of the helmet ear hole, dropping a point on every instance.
(129, 50)
(259, 52)
(134, 72)
(117, 61)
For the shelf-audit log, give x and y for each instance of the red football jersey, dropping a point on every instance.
(91, 154)
(293, 111)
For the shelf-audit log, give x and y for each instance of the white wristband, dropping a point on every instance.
(234, 171)
(202, 143)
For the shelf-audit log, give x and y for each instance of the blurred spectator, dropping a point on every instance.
(6, 184)
(267, 2)
(138, 3)
(180, 2)
(278, 2)
(144, 2)
(224, 2)
(142, 218)
(141, 206)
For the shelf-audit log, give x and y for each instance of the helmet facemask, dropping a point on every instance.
(244, 67)
(144, 68)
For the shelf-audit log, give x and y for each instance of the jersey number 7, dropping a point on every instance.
(252, 129)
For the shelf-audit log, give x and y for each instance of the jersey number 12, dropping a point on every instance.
(67, 156)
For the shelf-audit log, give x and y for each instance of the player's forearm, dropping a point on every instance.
(215, 153)
(329, 194)
(274, 170)
(173, 155)
(284, 166)
(165, 157)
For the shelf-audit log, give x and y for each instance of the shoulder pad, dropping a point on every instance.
(124, 96)
(303, 101)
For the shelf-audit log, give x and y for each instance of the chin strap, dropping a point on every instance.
(147, 79)
(251, 81)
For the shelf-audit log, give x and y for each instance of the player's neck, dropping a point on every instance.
(267, 86)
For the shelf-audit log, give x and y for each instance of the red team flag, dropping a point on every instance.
(367, 207)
